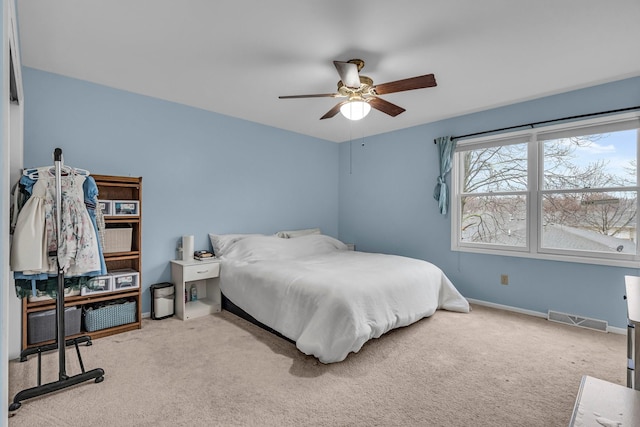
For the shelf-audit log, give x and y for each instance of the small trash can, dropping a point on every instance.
(162, 300)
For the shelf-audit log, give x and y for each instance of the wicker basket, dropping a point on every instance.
(109, 316)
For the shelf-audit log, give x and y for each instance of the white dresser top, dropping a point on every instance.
(632, 284)
(601, 403)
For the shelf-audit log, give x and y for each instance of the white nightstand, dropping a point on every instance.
(203, 274)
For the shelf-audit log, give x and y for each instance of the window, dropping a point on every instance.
(567, 192)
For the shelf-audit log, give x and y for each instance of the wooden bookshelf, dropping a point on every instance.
(109, 188)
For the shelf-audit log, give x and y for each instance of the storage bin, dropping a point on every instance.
(43, 296)
(108, 315)
(97, 285)
(126, 208)
(162, 300)
(106, 206)
(117, 239)
(124, 279)
(41, 325)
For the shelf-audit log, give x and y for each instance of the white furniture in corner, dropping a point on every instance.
(632, 284)
(601, 403)
(204, 275)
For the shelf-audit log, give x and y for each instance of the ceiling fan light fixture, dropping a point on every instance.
(355, 110)
(362, 94)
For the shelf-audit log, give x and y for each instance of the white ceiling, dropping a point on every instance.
(235, 57)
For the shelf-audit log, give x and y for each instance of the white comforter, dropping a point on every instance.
(327, 299)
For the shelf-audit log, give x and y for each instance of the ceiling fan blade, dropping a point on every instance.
(317, 95)
(333, 111)
(386, 107)
(348, 74)
(420, 82)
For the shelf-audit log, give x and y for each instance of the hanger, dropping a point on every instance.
(71, 170)
(33, 173)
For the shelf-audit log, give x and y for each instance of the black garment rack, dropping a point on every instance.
(64, 381)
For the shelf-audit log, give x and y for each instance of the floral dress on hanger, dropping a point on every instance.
(77, 252)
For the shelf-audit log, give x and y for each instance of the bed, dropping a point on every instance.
(327, 299)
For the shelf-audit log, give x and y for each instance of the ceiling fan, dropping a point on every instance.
(362, 94)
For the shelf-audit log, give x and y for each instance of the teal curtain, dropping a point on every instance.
(446, 147)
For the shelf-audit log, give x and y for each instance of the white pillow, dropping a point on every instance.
(297, 233)
(260, 248)
(222, 242)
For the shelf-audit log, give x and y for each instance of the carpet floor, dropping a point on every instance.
(486, 368)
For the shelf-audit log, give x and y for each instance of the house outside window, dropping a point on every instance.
(566, 192)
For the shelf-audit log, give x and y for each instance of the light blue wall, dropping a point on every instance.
(386, 205)
(202, 172)
(260, 179)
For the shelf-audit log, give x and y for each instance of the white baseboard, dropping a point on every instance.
(612, 329)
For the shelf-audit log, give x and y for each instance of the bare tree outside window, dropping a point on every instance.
(595, 207)
(494, 208)
(588, 193)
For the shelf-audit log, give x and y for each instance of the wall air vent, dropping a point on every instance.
(573, 320)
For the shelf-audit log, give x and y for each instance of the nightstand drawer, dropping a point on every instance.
(206, 270)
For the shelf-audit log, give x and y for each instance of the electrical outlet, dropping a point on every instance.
(504, 279)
